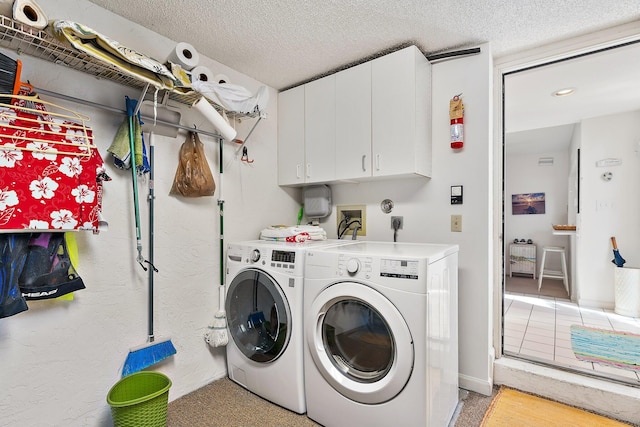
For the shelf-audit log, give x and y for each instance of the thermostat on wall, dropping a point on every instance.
(608, 162)
(456, 194)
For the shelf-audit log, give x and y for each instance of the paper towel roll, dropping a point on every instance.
(30, 13)
(221, 78)
(202, 74)
(210, 113)
(184, 55)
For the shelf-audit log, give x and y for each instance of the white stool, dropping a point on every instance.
(550, 274)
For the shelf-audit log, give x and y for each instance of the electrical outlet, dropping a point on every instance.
(456, 223)
(356, 215)
(397, 219)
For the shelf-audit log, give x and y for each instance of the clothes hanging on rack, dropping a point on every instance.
(120, 148)
(50, 170)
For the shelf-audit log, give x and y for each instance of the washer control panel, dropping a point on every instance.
(265, 257)
(355, 266)
(352, 266)
(399, 268)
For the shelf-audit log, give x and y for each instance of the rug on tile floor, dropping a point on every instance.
(612, 348)
(514, 408)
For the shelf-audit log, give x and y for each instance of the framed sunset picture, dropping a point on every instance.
(527, 204)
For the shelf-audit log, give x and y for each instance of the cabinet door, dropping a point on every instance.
(291, 136)
(320, 129)
(353, 122)
(393, 112)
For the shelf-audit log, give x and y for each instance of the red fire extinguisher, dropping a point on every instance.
(456, 115)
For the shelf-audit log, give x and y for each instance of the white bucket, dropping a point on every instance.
(627, 291)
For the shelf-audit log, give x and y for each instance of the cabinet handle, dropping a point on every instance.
(364, 169)
(308, 170)
(298, 176)
(377, 162)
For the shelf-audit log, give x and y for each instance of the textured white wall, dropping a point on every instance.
(60, 358)
(523, 175)
(426, 208)
(607, 208)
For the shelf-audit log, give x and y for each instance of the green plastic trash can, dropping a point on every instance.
(140, 400)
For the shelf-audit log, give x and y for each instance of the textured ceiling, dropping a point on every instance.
(286, 42)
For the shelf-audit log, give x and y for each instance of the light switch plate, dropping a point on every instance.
(456, 223)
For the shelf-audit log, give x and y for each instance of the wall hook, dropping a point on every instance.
(245, 156)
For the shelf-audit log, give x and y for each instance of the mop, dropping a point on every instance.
(154, 350)
(216, 334)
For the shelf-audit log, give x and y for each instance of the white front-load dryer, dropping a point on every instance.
(381, 343)
(264, 291)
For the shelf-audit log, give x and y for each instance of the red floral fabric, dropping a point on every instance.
(46, 184)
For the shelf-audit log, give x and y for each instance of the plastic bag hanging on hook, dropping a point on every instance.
(193, 177)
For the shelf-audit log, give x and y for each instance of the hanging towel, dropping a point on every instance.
(121, 148)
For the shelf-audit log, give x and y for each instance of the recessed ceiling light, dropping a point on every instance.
(564, 92)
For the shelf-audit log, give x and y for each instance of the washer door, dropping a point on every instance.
(359, 342)
(258, 315)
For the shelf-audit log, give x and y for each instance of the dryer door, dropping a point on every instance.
(359, 342)
(258, 315)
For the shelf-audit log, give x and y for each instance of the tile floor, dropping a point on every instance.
(537, 328)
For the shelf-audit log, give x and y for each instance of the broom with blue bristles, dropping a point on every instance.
(155, 350)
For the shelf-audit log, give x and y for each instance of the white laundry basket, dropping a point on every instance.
(627, 291)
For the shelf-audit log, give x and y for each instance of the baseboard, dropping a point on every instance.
(604, 397)
(475, 384)
(175, 394)
(608, 305)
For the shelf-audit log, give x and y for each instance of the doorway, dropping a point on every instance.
(554, 153)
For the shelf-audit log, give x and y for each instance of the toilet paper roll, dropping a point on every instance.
(221, 78)
(202, 74)
(184, 55)
(218, 122)
(30, 13)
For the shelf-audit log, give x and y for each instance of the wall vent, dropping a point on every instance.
(545, 161)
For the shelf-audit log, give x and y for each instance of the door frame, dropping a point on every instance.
(545, 54)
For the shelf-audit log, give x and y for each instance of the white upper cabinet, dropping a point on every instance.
(366, 122)
(291, 164)
(401, 114)
(320, 129)
(353, 122)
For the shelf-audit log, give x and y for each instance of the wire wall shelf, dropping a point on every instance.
(24, 39)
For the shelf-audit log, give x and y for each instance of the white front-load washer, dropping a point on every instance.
(381, 326)
(264, 291)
